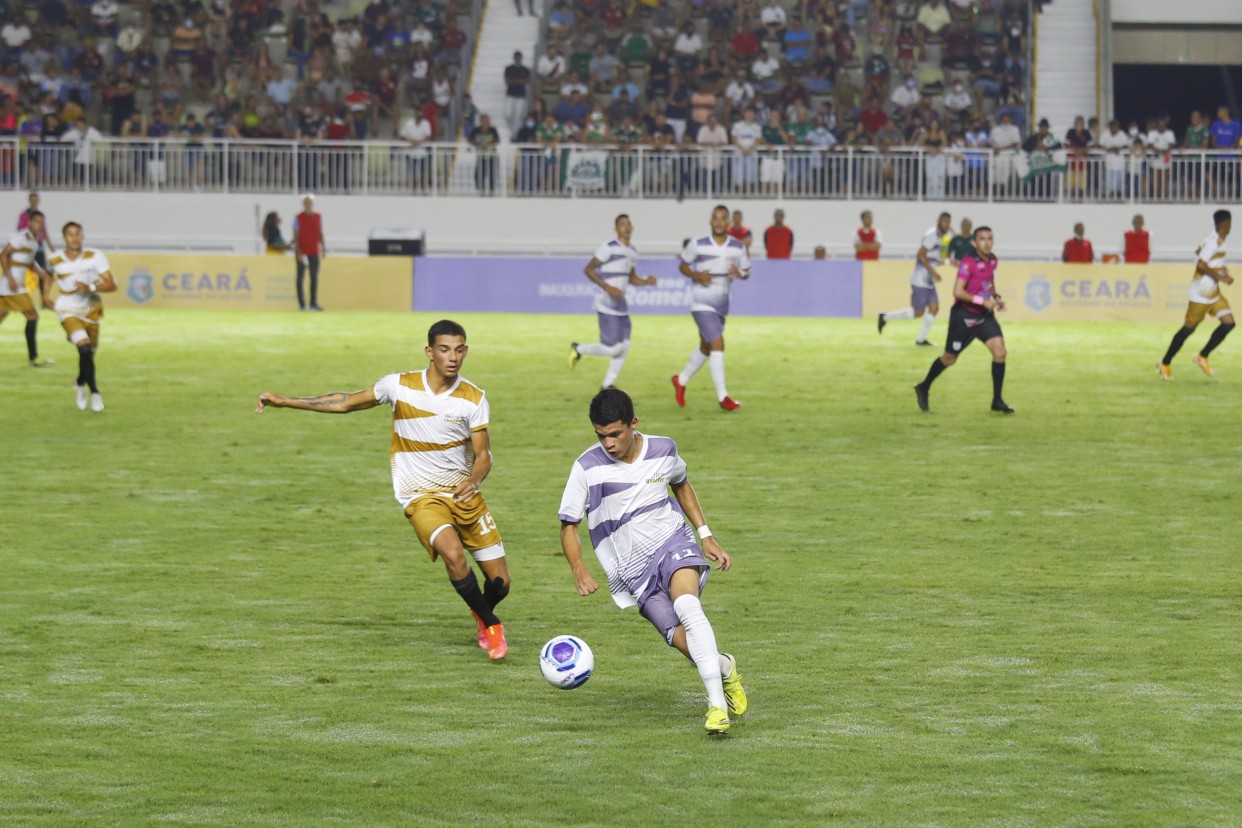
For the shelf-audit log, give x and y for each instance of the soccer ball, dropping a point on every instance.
(566, 662)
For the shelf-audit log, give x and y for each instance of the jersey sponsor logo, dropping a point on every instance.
(140, 287)
(655, 480)
(1038, 293)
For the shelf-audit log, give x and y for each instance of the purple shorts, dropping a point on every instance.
(711, 324)
(613, 330)
(655, 603)
(921, 297)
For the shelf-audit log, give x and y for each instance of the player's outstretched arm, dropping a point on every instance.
(337, 403)
(572, 547)
(689, 502)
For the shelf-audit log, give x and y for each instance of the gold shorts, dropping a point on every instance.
(17, 302)
(90, 325)
(470, 519)
(1196, 311)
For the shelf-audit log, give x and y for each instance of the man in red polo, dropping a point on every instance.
(867, 239)
(1136, 246)
(778, 239)
(1078, 250)
(309, 245)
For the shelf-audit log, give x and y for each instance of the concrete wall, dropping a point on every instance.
(229, 223)
(1181, 13)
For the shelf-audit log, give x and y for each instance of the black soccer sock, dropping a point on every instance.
(86, 367)
(32, 346)
(998, 379)
(1179, 339)
(468, 589)
(1218, 336)
(495, 591)
(937, 368)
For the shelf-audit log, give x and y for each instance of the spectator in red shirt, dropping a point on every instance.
(778, 240)
(745, 44)
(872, 117)
(740, 231)
(308, 244)
(1136, 247)
(1078, 250)
(868, 240)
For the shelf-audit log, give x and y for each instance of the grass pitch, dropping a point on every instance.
(213, 618)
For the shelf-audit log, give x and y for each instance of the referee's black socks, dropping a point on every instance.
(998, 379)
(937, 368)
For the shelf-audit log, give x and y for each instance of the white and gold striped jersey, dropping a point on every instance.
(87, 269)
(24, 247)
(1204, 289)
(431, 433)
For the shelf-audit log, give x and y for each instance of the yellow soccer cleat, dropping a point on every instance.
(735, 693)
(1166, 371)
(717, 721)
(574, 356)
(1201, 361)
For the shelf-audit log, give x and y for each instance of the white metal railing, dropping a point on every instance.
(585, 171)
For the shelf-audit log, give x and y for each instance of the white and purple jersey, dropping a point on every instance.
(630, 513)
(618, 261)
(705, 256)
(980, 276)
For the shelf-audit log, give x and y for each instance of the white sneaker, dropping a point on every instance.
(97, 402)
(80, 390)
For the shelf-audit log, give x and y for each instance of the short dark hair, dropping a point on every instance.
(33, 213)
(947, 214)
(445, 327)
(1222, 216)
(612, 405)
(722, 207)
(980, 229)
(69, 224)
(617, 220)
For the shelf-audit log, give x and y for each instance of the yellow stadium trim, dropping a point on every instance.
(405, 411)
(413, 380)
(466, 391)
(400, 444)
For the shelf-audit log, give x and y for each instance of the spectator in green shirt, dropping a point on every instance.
(961, 246)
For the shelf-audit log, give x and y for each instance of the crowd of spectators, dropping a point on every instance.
(792, 73)
(194, 69)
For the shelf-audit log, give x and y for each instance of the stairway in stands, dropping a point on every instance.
(503, 32)
(1066, 64)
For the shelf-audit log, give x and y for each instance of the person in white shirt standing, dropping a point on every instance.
(644, 540)
(1160, 140)
(711, 263)
(81, 274)
(924, 301)
(612, 268)
(1205, 298)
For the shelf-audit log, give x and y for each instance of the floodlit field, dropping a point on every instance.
(209, 617)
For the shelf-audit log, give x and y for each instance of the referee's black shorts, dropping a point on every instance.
(965, 327)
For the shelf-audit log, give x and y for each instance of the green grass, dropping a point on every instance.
(213, 618)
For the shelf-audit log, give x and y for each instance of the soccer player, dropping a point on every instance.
(440, 454)
(721, 259)
(1205, 298)
(648, 552)
(973, 317)
(81, 273)
(924, 301)
(612, 268)
(16, 258)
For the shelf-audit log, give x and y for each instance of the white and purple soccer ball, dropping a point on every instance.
(566, 662)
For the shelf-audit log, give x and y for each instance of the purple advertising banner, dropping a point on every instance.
(775, 288)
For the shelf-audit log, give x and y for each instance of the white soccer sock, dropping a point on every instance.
(716, 366)
(696, 361)
(596, 349)
(725, 666)
(928, 320)
(904, 313)
(615, 365)
(701, 641)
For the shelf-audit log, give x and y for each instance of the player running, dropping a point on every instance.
(973, 317)
(18, 256)
(612, 268)
(440, 454)
(648, 552)
(924, 301)
(81, 274)
(1205, 298)
(712, 263)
